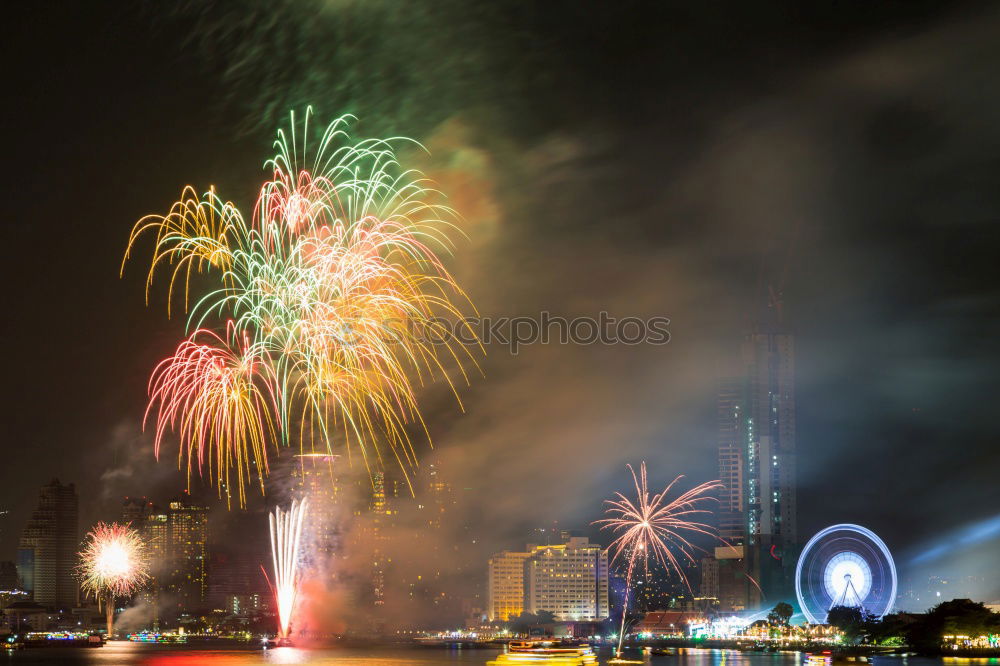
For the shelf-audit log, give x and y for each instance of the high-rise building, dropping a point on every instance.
(176, 540)
(135, 511)
(430, 524)
(757, 465)
(4, 523)
(156, 531)
(152, 524)
(709, 577)
(654, 587)
(437, 497)
(235, 582)
(728, 577)
(769, 362)
(8, 576)
(505, 585)
(47, 551)
(570, 580)
(381, 519)
(187, 553)
(317, 483)
(732, 512)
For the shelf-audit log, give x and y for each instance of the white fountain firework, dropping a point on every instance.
(286, 531)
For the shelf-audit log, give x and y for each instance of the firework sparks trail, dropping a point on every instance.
(286, 532)
(651, 526)
(331, 300)
(113, 564)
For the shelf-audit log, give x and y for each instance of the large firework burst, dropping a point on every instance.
(651, 526)
(326, 316)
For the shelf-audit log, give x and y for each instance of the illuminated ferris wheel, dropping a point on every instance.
(845, 565)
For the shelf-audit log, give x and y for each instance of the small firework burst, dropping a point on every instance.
(112, 564)
(113, 561)
(649, 525)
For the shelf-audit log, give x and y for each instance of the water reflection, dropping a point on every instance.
(121, 653)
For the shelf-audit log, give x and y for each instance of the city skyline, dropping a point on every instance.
(739, 400)
(222, 578)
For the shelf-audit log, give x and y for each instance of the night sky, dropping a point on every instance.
(638, 158)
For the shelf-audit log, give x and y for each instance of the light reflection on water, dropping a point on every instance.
(123, 653)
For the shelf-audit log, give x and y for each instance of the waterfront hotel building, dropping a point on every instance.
(569, 579)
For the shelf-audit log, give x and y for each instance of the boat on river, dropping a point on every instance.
(546, 652)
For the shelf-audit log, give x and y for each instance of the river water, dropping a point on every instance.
(121, 653)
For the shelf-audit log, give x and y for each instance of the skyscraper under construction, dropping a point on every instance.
(757, 465)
